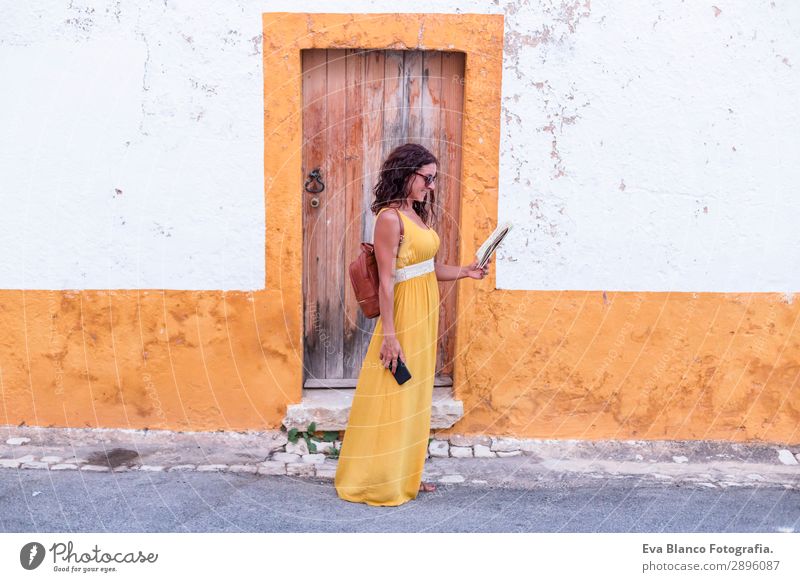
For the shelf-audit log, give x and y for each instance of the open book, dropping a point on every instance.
(489, 246)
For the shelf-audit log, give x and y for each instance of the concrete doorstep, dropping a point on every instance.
(452, 459)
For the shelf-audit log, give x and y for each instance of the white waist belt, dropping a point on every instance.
(414, 270)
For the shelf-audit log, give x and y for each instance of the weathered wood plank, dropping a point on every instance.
(431, 91)
(452, 107)
(394, 102)
(412, 78)
(334, 202)
(314, 154)
(353, 337)
(373, 157)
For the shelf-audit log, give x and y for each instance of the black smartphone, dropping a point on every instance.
(401, 374)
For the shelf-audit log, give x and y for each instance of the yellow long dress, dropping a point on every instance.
(385, 443)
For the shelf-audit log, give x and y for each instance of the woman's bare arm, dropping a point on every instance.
(387, 237)
(452, 272)
(449, 272)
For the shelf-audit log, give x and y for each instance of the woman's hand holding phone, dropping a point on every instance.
(390, 352)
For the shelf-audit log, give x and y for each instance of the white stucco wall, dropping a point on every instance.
(646, 148)
(653, 148)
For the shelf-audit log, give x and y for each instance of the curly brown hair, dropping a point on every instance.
(397, 172)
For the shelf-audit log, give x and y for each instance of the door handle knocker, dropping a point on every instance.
(314, 175)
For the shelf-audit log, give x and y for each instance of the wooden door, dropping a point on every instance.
(357, 106)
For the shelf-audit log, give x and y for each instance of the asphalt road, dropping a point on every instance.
(79, 501)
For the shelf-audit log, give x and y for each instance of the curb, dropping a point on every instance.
(482, 460)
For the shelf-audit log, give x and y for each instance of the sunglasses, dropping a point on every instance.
(428, 179)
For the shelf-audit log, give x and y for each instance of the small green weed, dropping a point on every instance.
(312, 436)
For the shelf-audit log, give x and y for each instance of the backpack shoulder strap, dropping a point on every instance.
(402, 227)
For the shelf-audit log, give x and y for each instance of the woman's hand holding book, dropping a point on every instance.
(476, 272)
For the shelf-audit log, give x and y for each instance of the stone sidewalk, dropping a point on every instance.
(480, 460)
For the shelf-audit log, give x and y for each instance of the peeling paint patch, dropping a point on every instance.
(571, 14)
(257, 42)
(559, 165)
(208, 89)
(656, 21)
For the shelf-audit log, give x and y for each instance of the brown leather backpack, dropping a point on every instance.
(364, 276)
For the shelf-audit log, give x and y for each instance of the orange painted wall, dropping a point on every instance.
(178, 360)
(538, 364)
(640, 366)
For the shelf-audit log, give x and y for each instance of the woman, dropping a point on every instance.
(386, 440)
